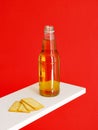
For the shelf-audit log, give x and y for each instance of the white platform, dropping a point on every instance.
(15, 121)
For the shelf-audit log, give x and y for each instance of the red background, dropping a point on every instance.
(21, 34)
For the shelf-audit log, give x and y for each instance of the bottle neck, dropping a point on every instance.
(49, 36)
(49, 41)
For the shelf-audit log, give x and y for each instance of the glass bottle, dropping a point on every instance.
(49, 65)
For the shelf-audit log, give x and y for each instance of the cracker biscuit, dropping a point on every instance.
(33, 103)
(22, 109)
(15, 106)
(28, 107)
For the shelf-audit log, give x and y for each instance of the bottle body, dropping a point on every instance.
(49, 69)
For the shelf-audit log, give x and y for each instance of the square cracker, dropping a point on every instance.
(28, 107)
(33, 103)
(15, 106)
(22, 109)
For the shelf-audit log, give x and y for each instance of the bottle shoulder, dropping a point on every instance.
(49, 53)
(47, 56)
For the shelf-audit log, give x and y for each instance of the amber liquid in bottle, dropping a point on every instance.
(49, 65)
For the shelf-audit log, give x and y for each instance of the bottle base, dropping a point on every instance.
(48, 93)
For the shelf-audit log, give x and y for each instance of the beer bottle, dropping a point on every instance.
(49, 65)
